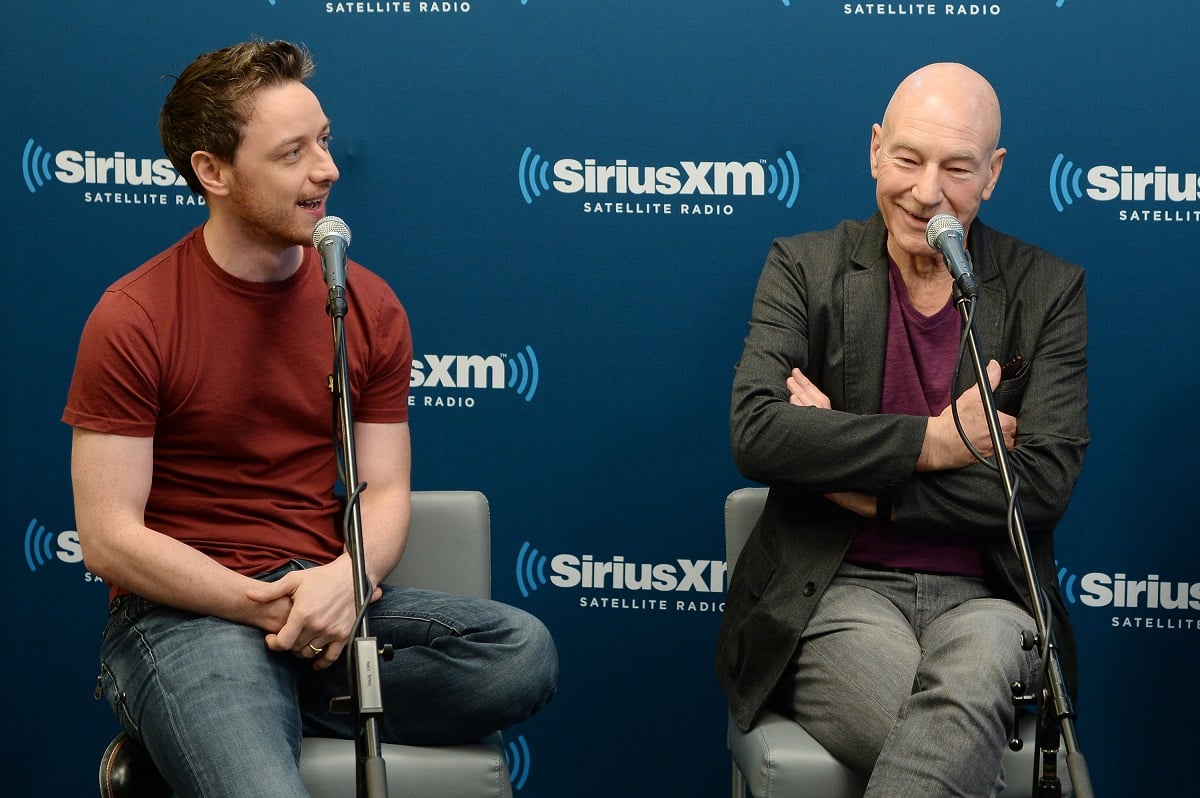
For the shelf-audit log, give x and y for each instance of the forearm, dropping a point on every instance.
(172, 573)
(385, 505)
(385, 513)
(111, 477)
(972, 500)
(823, 450)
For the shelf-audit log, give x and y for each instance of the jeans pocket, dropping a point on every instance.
(123, 613)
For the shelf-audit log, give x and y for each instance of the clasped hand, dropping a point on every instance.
(322, 611)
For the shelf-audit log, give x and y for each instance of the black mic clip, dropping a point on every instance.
(335, 306)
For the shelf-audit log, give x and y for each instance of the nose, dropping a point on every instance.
(324, 169)
(927, 189)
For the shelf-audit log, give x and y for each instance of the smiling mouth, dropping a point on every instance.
(311, 205)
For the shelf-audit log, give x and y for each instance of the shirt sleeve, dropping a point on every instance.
(117, 369)
(383, 398)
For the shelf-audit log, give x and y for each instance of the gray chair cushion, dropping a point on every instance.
(478, 771)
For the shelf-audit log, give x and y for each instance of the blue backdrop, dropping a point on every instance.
(575, 334)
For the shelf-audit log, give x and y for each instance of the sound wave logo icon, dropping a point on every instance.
(531, 175)
(531, 569)
(516, 756)
(786, 171)
(38, 551)
(1066, 583)
(1064, 182)
(523, 373)
(35, 166)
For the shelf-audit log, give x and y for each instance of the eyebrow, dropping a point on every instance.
(300, 138)
(957, 155)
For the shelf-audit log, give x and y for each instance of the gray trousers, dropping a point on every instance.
(906, 678)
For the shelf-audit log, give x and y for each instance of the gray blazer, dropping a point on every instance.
(821, 305)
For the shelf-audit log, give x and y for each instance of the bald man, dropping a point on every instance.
(878, 601)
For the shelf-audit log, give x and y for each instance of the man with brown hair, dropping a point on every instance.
(204, 470)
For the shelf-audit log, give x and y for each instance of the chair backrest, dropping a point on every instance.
(743, 508)
(449, 544)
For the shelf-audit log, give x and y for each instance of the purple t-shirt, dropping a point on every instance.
(917, 376)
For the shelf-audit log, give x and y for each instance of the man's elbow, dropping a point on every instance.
(97, 557)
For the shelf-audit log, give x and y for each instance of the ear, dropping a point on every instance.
(212, 172)
(994, 168)
(876, 144)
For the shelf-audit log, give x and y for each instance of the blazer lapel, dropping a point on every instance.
(865, 320)
(990, 306)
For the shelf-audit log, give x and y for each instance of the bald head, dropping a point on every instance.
(937, 151)
(953, 92)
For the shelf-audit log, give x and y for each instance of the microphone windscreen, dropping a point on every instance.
(940, 224)
(332, 226)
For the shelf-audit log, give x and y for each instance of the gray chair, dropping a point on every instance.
(777, 758)
(449, 549)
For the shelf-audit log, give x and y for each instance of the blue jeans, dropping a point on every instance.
(906, 679)
(222, 715)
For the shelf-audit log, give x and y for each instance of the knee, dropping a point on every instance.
(535, 659)
(981, 673)
(988, 641)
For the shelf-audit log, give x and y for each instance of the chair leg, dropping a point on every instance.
(739, 783)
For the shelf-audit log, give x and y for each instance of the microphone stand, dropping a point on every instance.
(362, 655)
(1054, 704)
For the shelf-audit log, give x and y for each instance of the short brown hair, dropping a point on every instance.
(211, 99)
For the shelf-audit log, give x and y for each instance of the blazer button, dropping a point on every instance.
(809, 589)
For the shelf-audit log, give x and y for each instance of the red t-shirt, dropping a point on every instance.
(231, 379)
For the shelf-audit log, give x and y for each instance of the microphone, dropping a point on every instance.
(331, 237)
(945, 234)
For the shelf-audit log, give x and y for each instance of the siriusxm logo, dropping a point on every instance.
(516, 756)
(1118, 590)
(537, 176)
(572, 571)
(43, 548)
(519, 373)
(1104, 183)
(73, 166)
